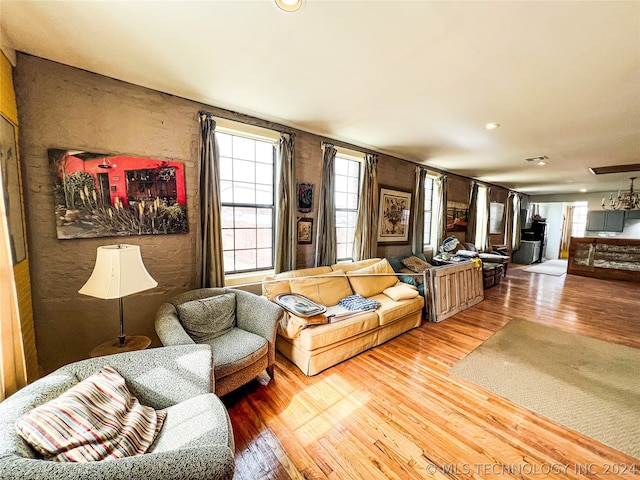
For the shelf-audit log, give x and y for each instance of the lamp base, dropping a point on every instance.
(131, 343)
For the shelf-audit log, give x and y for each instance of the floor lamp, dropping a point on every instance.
(119, 272)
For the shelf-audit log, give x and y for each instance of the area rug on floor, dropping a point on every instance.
(588, 385)
(550, 267)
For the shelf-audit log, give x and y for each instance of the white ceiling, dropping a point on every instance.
(415, 79)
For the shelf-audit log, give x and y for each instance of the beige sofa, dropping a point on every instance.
(316, 347)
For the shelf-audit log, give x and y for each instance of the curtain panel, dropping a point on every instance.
(509, 220)
(517, 220)
(209, 254)
(326, 249)
(439, 212)
(566, 231)
(417, 238)
(472, 217)
(365, 243)
(286, 207)
(13, 371)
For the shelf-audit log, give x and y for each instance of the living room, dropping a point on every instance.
(60, 106)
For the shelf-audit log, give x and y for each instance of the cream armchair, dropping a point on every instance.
(196, 439)
(239, 326)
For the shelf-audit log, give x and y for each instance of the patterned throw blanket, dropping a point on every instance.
(358, 302)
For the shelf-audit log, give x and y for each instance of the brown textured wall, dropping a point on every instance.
(63, 107)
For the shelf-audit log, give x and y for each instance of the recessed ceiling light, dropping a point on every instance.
(289, 5)
(541, 163)
(491, 126)
(583, 190)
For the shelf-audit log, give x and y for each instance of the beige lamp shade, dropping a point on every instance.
(118, 272)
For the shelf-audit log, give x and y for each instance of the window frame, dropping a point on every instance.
(427, 239)
(356, 157)
(256, 134)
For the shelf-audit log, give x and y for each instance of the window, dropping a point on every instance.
(579, 223)
(428, 210)
(347, 192)
(246, 191)
(482, 215)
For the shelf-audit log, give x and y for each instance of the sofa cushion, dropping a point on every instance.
(350, 266)
(401, 291)
(193, 423)
(208, 318)
(374, 284)
(235, 350)
(97, 419)
(319, 336)
(390, 310)
(411, 278)
(327, 290)
(273, 285)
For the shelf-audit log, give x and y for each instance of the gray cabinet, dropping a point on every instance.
(605, 221)
(632, 215)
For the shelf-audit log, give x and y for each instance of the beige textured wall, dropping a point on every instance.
(63, 107)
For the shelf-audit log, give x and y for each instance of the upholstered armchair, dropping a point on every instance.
(239, 326)
(194, 443)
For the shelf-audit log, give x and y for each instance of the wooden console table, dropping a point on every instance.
(607, 258)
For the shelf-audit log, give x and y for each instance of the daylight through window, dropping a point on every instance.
(246, 190)
(347, 191)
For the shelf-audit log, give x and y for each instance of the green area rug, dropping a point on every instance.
(588, 385)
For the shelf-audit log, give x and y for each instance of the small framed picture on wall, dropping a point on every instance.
(305, 230)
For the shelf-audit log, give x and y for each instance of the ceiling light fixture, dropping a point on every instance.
(289, 5)
(623, 200)
(491, 126)
(583, 190)
(540, 160)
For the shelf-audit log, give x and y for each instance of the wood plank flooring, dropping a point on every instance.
(394, 412)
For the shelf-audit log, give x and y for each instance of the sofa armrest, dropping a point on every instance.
(158, 377)
(201, 463)
(169, 328)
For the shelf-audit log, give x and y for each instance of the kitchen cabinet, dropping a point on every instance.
(605, 220)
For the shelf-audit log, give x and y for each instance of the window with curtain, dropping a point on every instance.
(247, 178)
(347, 187)
(428, 209)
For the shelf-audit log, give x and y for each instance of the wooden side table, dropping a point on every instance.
(131, 343)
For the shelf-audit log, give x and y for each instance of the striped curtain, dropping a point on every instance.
(417, 238)
(209, 254)
(286, 231)
(326, 249)
(365, 243)
(439, 212)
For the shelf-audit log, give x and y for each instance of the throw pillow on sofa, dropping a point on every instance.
(368, 281)
(197, 316)
(416, 264)
(327, 289)
(96, 419)
(401, 291)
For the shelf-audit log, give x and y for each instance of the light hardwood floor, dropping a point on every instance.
(394, 412)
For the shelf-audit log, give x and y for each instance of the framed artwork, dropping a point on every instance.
(108, 195)
(11, 190)
(305, 230)
(393, 217)
(305, 197)
(457, 214)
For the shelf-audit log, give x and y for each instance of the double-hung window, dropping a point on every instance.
(347, 192)
(247, 197)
